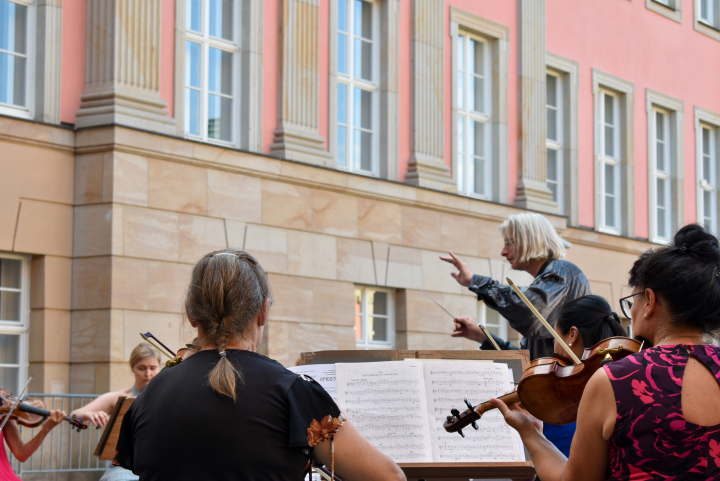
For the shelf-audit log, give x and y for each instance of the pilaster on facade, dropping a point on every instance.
(297, 136)
(48, 61)
(532, 190)
(122, 66)
(426, 167)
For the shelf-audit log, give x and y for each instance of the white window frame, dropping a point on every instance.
(467, 116)
(26, 112)
(351, 82)
(708, 25)
(673, 110)
(615, 162)
(705, 119)
(20, 328)
(497, 37)
(568, 71)
(557, 144)
(657, 174)
(624, 92)
(502, 325)
(364, 343)
(671, 9)
(206, 43)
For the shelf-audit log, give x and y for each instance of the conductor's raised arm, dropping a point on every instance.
(463, 276)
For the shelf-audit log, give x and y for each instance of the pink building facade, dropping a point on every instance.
(346, 143)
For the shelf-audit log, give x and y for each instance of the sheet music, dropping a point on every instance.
(446, 385)
(324, 374)
(386, 402)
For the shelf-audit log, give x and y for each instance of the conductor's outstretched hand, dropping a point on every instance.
(464, 276)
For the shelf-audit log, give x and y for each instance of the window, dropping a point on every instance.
(473, 89)
(707, 174)
(211, 64)
(660, 168)
(610, 163)
(13, 322)
(707, 17)
(671, 9)
(357, 86)
(554, 141)
(15, 58)
(665, 169)
(374, 318)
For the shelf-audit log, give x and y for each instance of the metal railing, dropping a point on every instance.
(64, 449)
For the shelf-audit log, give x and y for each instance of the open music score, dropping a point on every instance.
(400, 408)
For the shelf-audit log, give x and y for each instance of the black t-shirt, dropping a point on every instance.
(180, 429)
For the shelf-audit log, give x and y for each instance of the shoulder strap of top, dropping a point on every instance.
(709, 356)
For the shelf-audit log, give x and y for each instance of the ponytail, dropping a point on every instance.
(227, 292)
(592, 317)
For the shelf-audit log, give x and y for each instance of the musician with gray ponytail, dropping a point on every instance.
(228, 412)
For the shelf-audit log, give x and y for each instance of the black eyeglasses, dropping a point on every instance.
(626, 304)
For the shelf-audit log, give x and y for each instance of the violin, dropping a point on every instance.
(174, 358)
(30, 413)
(551, 388)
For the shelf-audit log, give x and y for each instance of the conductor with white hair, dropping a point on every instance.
(531, 245)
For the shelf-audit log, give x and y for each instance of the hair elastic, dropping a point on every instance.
(223, 353)
(683, 247)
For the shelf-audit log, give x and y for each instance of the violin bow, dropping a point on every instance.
(544, 322)
(482, 328)
(15, 405)
(164, 348)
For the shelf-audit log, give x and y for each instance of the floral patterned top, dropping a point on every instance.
(652, 440)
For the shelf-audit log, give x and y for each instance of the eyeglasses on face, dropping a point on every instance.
(626, 304)
(508, 243)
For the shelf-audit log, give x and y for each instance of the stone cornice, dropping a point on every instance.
(28, 132)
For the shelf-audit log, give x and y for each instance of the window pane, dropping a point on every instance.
(379, 329)
(363, 19)
(478, 131)
(220, 71)
(609, 141)
(477, 58)
(192, 15)
(9, 349)
(12, 79)
(461, 134)
(219, 117)
(342, 16)
(660, 125)
(704, 14)
(660, 156)
(362, 109)
(461, 90)
(552, 165)
(661, 223)
(477, 97)
(342, 52)
(221, 16)
(660, 192)
(609, 211)
(13, 24)
(551, 123)
(706, 141)
(10, 270)
(480, 183)
(342, 146)
(378, 303)
(362, 150)
(363, 59)
(707, 204)
(192, 64)
(192, 105)
(9, 306)
(551, 90)
(609, 179)
(358, 315)
(342, 103)
(609, 112)
(9, 379)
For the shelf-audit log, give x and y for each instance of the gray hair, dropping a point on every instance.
(533, 237)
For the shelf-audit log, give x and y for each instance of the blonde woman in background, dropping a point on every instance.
(145, 364)
(531, 245)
